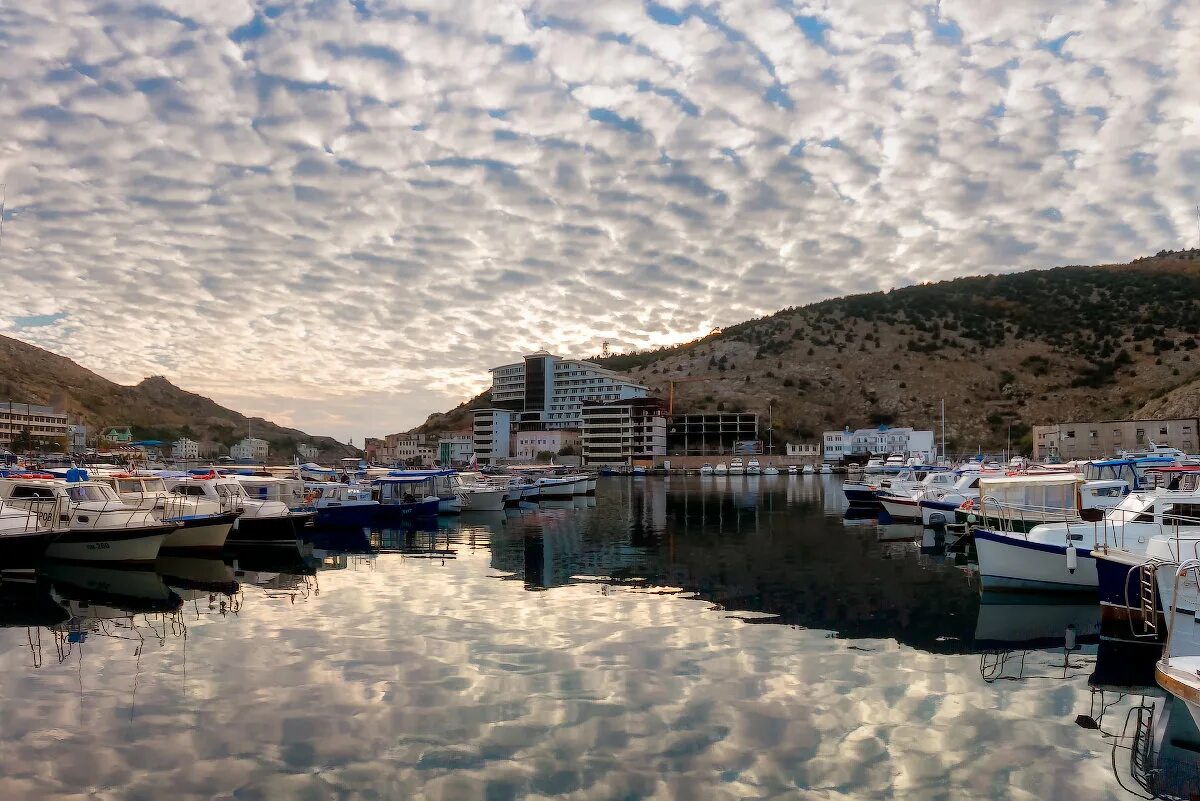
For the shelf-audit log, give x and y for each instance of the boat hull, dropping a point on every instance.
(860, 494)
(937, 513)
(902, 510)
(1011, 563)
(22, 550)
(281, 530)
(557, 491)
(392, 513)
(118, 546)
(486, 501)
(1119, 585)
(359, 515)
(200, 533)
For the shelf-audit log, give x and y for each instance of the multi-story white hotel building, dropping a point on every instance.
(250, 449)
(549, 390)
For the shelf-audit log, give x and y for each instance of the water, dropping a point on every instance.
(700, 638)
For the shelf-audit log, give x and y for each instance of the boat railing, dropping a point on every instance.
(109, 511)
(1008, 515)
(45, 514)
(1188, 566)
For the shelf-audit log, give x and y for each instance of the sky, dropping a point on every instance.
(339, 214)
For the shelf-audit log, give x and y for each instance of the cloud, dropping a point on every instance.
(313, 203)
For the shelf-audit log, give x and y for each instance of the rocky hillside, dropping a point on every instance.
(155, 408)
(1005, 352)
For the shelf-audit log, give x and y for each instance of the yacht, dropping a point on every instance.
(203, 524)
(826, 469)
(808, 470)
(770, 470)
(792, 470)
(736, 468)
(706, 469)
(261, 521)
(752, 467)
(721, 469)
(91, 521)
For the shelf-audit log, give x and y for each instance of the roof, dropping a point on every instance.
(1034, 478)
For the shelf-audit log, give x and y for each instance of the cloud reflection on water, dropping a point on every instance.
(417, 678)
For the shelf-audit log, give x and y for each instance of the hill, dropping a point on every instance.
(1005, 352)
(154, 408)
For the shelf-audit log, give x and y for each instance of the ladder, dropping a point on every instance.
(1148, 590)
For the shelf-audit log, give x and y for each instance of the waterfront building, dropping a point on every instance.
(493, 435)
(803, 450)
(185, 449)
(711, 433)
(400, 449)
(455, 449)
(548, 391)
(526, 445)
(879, 441)
(308, 452)
(250, 449)
(1092, 440)
(623, 432)
(40, 423)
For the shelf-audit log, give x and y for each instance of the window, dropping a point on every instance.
(1140, 435)
(1162, 430)
(1070, 435)
(1092, 434)
(1181, 514)
(1116, 433)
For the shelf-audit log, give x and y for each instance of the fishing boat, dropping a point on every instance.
(91, 521)
(260, 521)
(404, 499)
(442, 484)
(24, 535)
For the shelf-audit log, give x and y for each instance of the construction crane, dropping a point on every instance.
(671, 382)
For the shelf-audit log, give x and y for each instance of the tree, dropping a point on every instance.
(568, 450)
(545, 456)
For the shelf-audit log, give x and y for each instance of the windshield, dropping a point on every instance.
(231, 491)
(89, 492)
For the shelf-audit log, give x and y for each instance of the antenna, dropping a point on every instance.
(1197, 220)
(604, 347)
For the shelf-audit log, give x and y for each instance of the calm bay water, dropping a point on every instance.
(722, 638)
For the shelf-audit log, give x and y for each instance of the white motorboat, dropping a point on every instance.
(478, 494)
(556, 487)
(736, 468)
(92, 523)
(260, 522)
(721, 469)
(340, 505)
(1037, 532)
(903, 503)
(706, 469)
(809, 470)
(24, 535)
(770, 470)
(826, 469)
(752, 467)
(203, 524)
(792, 470)
(1178, 671)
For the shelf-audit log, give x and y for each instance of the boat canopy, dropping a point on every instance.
(422, 474)
(1042, 492)
(390, 479)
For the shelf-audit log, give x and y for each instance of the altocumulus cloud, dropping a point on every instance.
(299, 208)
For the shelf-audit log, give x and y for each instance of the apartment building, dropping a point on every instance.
(41, 423)
(622, 432)
(251, 450)
(1092, 440)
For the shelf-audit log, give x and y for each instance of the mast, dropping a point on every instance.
(943, 428)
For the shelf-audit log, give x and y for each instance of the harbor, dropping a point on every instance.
(747, 635)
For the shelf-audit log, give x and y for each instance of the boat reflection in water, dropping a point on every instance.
(1026, 635)
(1155, 742)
